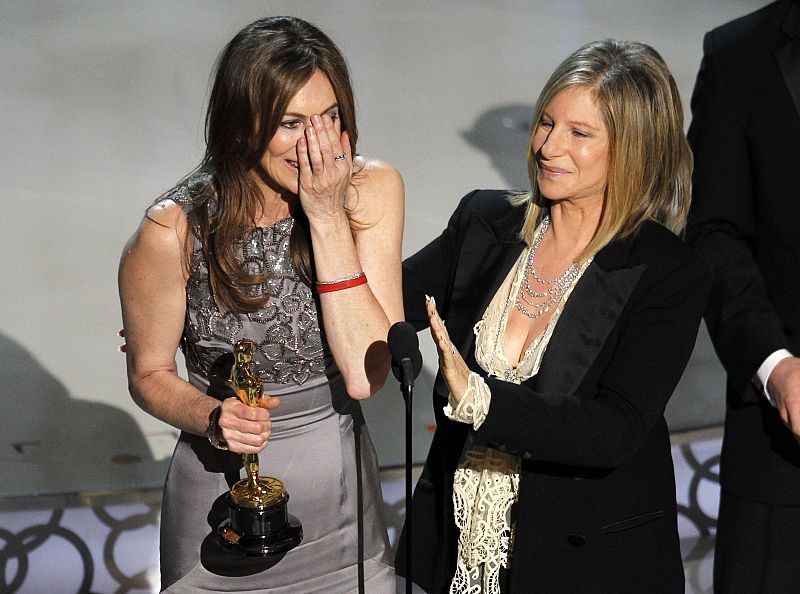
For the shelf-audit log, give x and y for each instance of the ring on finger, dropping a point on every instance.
(341, 157)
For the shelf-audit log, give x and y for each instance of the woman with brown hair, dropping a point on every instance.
(283, 235)
(571, 313)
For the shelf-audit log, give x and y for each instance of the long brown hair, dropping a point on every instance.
(255, 78)
(649, 160)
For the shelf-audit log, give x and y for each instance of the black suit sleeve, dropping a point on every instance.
(430, 271)
(603, 427)
(743, 324)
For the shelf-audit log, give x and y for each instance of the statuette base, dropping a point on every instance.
(259, 532)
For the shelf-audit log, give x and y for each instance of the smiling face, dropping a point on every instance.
(570, 145)
(279, 162)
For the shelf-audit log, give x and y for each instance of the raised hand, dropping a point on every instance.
(325, 164)
(454, 369)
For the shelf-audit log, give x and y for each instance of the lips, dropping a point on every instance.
(550, 170)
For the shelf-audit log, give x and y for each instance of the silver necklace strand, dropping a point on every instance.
(529, 301)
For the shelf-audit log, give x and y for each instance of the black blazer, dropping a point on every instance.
(596, 510)
(745, 222)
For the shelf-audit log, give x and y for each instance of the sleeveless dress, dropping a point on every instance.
(319, 447)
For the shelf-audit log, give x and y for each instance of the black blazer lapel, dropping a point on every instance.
(788, 55)
(588, 318)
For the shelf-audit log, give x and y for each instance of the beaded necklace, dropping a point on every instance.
(533, 303)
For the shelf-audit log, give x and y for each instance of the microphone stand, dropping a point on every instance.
(407, 388)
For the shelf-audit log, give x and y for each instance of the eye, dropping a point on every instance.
(547, 124)
(291, 124)
(333, 114)
(580, 134)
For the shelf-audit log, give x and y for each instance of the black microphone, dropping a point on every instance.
(406, 365)
(404, 347)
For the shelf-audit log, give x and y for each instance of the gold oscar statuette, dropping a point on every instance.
(258, 522)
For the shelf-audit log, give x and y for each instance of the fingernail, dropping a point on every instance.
(427, 298)
(433, 300)
(311, 130)
(316, 119)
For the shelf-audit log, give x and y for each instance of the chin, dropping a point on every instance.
(292, 186)
(550, 192)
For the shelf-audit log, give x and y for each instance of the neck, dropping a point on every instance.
(274, 203)
(572, 226)
(272, 208)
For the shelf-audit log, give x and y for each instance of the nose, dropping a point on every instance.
(552, 145)
(553, 141)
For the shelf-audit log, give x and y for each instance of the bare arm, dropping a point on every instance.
(152, 284)
(356, 320)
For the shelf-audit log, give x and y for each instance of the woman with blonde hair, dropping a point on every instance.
(285, 236)
(571, 313)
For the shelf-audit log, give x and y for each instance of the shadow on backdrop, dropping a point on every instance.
(503, 133)
(385, 416)
(52, 443)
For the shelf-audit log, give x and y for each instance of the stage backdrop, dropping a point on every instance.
(102, 110)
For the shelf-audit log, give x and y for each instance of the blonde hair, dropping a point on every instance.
(649, 160)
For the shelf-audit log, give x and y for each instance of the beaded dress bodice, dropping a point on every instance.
(286, 330)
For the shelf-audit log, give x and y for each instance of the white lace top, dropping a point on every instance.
(486, 480)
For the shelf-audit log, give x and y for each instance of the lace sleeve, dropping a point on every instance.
(474, 405)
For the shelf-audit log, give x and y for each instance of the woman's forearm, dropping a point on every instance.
(354, 321)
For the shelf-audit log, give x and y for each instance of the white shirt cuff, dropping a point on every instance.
(474, 404)
(763, 373)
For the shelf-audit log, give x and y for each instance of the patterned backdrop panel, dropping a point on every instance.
(98, 543)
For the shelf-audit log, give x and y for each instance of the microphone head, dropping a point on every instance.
(403, 340)
(404, 344)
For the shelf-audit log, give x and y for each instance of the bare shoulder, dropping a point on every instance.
(379, 189)
(168, 214)
(161, 235)
(376, 171)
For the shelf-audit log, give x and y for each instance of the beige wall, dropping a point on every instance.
(101, 109)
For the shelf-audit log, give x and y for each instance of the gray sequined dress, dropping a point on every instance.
(319, 446)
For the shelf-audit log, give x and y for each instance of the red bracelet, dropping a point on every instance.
(330, 286)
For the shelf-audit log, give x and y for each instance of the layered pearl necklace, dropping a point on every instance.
(535, 304)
